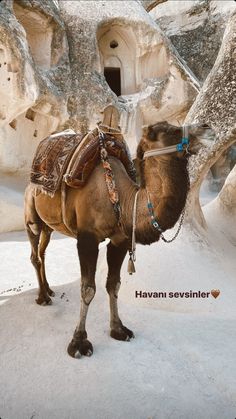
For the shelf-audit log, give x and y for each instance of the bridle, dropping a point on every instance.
(182, 146)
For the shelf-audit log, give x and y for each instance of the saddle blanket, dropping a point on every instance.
(51, 160)
(73, 156)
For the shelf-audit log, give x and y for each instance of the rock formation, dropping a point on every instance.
(215, 104)
(150, 4)
(124, 58)
(34, 76)
(196, 29)
(61, 62)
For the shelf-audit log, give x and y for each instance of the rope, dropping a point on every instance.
(133, 241)
(132, 255)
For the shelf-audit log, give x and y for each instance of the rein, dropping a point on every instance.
(182, 146)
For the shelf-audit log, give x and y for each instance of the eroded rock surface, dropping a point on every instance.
(121, 50)
(34, 80)
(216, 105)
(196, 29)
(62, 62)
(150, 4)
(34, 70)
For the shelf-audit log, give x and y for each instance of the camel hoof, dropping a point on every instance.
(122, 333)
(51, 292)
(44, 301)
(78, 348)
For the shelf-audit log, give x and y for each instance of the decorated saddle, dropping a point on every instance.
(70, 157)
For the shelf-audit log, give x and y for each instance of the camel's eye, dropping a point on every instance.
(151, 135)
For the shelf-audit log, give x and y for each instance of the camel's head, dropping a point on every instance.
(163, 134)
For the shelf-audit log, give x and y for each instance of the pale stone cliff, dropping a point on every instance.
(196, 29)
(61, 62)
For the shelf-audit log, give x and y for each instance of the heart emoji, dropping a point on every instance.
(215, 293)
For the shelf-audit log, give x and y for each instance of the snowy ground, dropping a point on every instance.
(181, 363)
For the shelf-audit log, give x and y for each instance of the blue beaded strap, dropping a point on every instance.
(154, 221)
(157, 226)
(184, 142)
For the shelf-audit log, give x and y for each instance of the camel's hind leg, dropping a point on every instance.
(39, 236)
(43, 244)
(39, 243)
(115, 258)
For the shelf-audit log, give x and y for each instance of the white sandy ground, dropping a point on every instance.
(11, 201)
(181, 363)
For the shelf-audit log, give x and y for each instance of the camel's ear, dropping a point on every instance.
(149, 133)
(140, 152)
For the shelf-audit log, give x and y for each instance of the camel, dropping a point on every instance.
(90, 218)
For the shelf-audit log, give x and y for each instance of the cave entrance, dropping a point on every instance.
(113, 78)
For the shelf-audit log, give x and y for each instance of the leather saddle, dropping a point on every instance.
(87, 156)
(72, 157)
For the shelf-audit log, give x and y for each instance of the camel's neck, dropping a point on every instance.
(166, 182)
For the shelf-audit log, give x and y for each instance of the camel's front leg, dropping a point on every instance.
(88, 253)
(115, 257)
